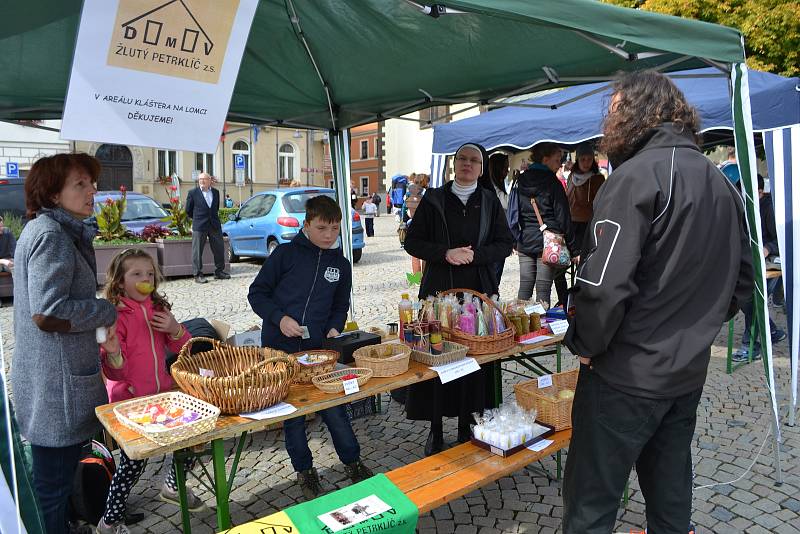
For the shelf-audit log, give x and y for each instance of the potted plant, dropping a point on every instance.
(112, 236)
(175, 250)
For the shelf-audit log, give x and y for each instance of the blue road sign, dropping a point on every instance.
(238, 161)
(12, 169)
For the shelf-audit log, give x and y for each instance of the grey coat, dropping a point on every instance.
(55, 371)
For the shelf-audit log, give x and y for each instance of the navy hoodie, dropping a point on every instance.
(309, 284)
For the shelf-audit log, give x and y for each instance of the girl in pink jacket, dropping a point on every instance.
(134, 363)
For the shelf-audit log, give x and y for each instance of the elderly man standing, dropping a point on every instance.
(202, 205)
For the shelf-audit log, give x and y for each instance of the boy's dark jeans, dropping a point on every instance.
(53, 479)
(612, 431)
(747, 310)
(344, 439)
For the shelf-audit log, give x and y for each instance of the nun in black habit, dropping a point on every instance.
(460, 230)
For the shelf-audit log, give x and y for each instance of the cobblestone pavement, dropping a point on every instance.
(732, 426)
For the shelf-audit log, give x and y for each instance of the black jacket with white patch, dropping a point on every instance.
(669, 262)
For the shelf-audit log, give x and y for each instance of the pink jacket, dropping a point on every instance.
(144, 369)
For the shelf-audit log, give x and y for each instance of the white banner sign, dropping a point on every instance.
(156, 73)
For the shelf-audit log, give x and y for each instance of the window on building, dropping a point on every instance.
(204, 162)
(286, 161)
(167, 162)
(364, 149)
(243, 149)
(435, 115)
(364, 186)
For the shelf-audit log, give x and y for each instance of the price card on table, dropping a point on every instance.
(277, 410)
(350, 386)
(535, 308)
(450, 371)
(540, 445)
(559, 327)
(545, 381)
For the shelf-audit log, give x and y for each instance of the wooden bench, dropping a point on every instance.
(450, 474)
(6, 285)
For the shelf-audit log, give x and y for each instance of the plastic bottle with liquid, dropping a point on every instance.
(406, 311)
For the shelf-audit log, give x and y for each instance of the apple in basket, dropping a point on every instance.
(349, 376)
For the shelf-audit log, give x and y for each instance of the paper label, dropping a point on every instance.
(541, 445)
(495, 450)
(535, 308)
(559, 327)
(305, 334)
(354, 513)
(537, 339)
(277, 410)
(206, 372)
(456, 369)
(350, 386)
(545, 381)
(304, 360)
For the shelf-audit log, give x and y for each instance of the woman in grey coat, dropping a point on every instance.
(55, 372)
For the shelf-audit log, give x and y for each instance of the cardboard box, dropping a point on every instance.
(249, 338)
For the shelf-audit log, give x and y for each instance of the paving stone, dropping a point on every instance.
(484, 521)
(466, 529)
(791, 504)
(721, 514)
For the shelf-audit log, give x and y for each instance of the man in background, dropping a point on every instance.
(202, 205)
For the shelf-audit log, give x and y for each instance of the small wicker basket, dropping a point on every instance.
(452, 352)
(163, 435)
(478, 345)
(305, 372)
(386, 359)
(551, 409)
(332, 382)
(245, 379)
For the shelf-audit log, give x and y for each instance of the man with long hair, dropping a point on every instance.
(668, 262)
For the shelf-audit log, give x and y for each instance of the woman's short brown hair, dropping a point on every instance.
(543, 150)
(48, 175)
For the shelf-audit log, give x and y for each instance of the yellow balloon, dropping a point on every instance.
(145, 288)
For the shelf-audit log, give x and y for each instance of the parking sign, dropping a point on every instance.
(238, 161)
(12, 169)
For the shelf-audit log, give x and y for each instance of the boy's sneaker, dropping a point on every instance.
(741, 355)
(116, 528)
(309, 483)
(357, 471)
(193, 502)
(778, 336)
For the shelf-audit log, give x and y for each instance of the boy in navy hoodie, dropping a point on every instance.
(303, 294)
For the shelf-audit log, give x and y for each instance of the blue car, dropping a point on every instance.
(140, 210)
(272, 217)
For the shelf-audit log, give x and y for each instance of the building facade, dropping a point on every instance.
(24, 144)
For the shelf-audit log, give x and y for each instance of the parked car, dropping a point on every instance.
(272, 217)
(12, 196)
(140, 210)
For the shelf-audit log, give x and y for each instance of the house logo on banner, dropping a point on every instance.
(181, 38)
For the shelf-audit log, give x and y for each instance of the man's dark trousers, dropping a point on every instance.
(217, 249)
(623, 430)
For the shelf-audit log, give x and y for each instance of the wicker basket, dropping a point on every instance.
(481, 344)
(550, 409)
(452, 352)
(246, 379)
(386, 359)
(305, 372)
(332, 382)
(163, 435)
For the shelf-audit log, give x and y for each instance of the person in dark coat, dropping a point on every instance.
(541, 183)
(202, 206)
(669, 263)
(460, 231)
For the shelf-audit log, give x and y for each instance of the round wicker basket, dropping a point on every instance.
(332, 382)
(323, 361)
(481, 344)
(386, 359)
(243, 379)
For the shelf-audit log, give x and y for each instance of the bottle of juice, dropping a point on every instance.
(406, 311)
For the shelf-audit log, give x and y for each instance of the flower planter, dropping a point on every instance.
(175, 257)
(105, 253)
(6, 285)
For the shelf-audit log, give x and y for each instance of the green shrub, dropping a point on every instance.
(224, 212)
(13, 222)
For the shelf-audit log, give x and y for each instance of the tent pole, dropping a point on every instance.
(745, 155)
(340, 162)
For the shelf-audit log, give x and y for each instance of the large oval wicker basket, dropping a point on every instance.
(304, 372)
(386, 359)
(481, 344)
(245, 379)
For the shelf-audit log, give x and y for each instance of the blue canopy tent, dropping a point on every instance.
(575, 114)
